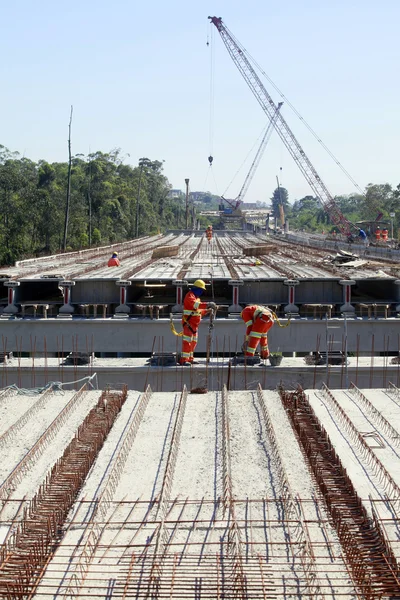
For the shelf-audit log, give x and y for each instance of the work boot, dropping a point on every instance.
(186, 364)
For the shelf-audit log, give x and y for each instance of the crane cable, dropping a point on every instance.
(311, 130)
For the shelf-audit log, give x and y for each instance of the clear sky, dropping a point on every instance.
(138, 75)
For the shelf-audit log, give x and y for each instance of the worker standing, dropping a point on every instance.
(384, 235)
(377, 234)
(363, 236)
(114, 261)
(259, 320)
(209, 233)
(193, 311)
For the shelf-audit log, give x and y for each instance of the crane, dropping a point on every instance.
(241, 61)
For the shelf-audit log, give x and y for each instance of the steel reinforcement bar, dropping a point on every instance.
(393, 390)
(25, 418)
(162, 540)
(384, 477)
(104, 500)
(26, 554)
(235, 549)
(30, 458)
(292, 508)
(376, 415)
(370, 560)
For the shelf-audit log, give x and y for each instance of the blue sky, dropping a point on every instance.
(138, 76)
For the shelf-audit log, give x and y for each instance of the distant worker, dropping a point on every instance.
(114, 261)
(377, 234)
(209, 233)
(259, 320)
(193, 311)
(384, 235)
(363, 237)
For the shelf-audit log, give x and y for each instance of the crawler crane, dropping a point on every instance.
(238, 55)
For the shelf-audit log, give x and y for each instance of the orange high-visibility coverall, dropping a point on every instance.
(114, 262)
(193, 310)
(259, 321)
(209, 234)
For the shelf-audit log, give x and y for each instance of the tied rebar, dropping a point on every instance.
(371, 561)
(27, 552)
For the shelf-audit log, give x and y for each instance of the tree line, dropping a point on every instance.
(379, 200)
(103, 203)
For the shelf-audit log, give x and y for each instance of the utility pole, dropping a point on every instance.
(90, 200)
(141, 165)
(187, 203)
(68, 184)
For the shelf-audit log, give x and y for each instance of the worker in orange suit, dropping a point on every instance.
(258, 320)
(377, 234)
(193, 311)
(114, 261)
(209, 233)
(384, 235)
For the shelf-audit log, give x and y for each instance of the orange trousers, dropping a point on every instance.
(256, 334)
(189, 343)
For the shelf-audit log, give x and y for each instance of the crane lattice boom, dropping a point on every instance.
(267, 104)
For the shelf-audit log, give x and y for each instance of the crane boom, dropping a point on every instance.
(240, 59)
(259, 155)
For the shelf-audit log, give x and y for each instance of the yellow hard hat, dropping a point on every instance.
(199, 283)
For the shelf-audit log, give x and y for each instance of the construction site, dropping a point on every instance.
(130, 473)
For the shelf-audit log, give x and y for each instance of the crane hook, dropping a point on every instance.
(210, 160)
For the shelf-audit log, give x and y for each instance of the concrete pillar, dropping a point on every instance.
(123, 307)
(67, 307)
(235, 306)
(291, 306)
(347, 307)
(397, 282)
(11, 308)
(179, 283)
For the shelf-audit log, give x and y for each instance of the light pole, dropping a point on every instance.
(142, 162)
(392, 216)
(187, 203)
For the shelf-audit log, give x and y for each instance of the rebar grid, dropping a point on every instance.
(385, 479)
(200, 569)
(371, 561)
(235, 551)
(26, 417)
(163, 539)
(228, 261)
(29, 549)
(292, 506)
(31, 457)
(376, 415)
(93, 532)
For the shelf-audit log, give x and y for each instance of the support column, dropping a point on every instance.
(291, 307)
(347, 307)
(67, 309)
(179, 283)
(123, 307)
(235, 306)
(397, 282)
(11, 308)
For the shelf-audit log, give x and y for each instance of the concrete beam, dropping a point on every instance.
(141, 335)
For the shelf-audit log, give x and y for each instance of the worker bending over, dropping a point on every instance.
(259, 320)
(193, 311)
(114, 261)
(209, 233)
